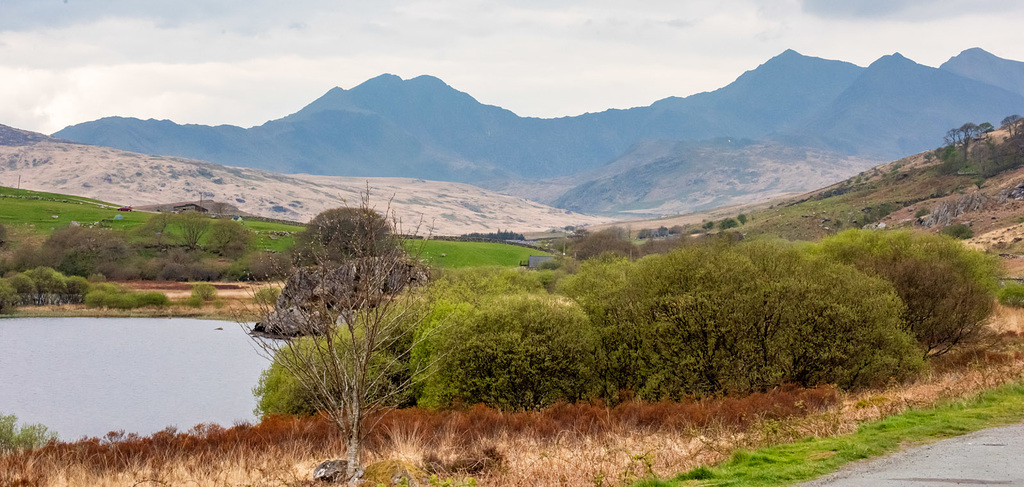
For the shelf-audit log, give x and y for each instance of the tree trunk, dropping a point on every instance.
(354, 443)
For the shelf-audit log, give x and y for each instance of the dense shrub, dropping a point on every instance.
(263, 266)
(958, 231)
(43, 286)
(610, 241)
(113, 296)
(9, 298)
(341, 233)
(229, 238)
(26, 436)
(278, 392)
(1012, 295)
(739, 318)
(266, 296)
(515, 352)
(3, 236)
(204, 291)
(81, 251)
(948, 289)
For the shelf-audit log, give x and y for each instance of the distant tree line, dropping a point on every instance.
(499, 235)
(966, 152)
(180, 247)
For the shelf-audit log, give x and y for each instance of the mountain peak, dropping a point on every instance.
(892, 61)
(980, 65)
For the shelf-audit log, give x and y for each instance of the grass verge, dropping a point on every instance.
(813, 457)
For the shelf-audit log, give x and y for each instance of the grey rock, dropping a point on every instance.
(331, 471)
(312, 290)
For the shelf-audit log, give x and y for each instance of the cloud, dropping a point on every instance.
(903, 10)
(229, 61)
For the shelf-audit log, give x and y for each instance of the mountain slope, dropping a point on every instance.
(48, 164)
(897, 106)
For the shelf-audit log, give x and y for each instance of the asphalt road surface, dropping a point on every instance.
(988, 457)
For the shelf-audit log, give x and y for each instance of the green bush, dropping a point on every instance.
(9, 298)
(948, 289)
(229, 238)
(1012, 295)
(516, 352)
(204, 291)
(266, 296)
(958, 231)
(112, 296)
(740, 318)
(193, 301)
(47, 280)
(23, 284)
(26, 436)
(278, 392)
(727, 224)
(76, 285)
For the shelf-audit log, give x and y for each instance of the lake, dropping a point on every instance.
(88, 376)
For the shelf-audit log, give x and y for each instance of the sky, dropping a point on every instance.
(243, 63)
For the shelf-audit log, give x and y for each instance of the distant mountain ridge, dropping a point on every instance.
(424, 128)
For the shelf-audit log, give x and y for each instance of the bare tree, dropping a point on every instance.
(962, 136)
(1011, 122)
(193, 226)
(355, 319)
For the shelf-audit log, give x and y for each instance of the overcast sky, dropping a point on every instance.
(245, 62)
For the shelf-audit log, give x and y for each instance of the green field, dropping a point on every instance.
(452, 255)
(266, 241)
(37, 210)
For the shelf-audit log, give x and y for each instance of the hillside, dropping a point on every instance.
(424, 128)
(930, 191)
(48, 164)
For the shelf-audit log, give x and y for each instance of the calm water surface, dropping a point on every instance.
(88, 376)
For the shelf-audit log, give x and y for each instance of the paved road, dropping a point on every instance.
(988, 457)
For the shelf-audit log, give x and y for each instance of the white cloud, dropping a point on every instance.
(226, 61)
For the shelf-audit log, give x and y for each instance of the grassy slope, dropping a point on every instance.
(469, 254)
(896, 189)
(33, 210)
(794, 462)
(36, 210)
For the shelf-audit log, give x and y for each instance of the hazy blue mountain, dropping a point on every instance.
(424, 128)
(785, 89)
(980, 65)
(898, 107)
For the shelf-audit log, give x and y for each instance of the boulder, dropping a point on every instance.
(332, 471)
(351, 285)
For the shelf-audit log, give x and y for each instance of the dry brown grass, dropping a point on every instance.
(565, 445)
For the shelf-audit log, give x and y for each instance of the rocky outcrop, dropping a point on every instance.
(313, 293)
(947, 211)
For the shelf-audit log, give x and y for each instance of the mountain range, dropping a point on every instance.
(787, 115)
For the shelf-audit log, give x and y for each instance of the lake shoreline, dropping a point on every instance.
(81, 311)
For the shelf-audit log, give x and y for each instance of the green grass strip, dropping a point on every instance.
(813, 457)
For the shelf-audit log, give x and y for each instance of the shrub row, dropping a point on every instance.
(859, 309)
